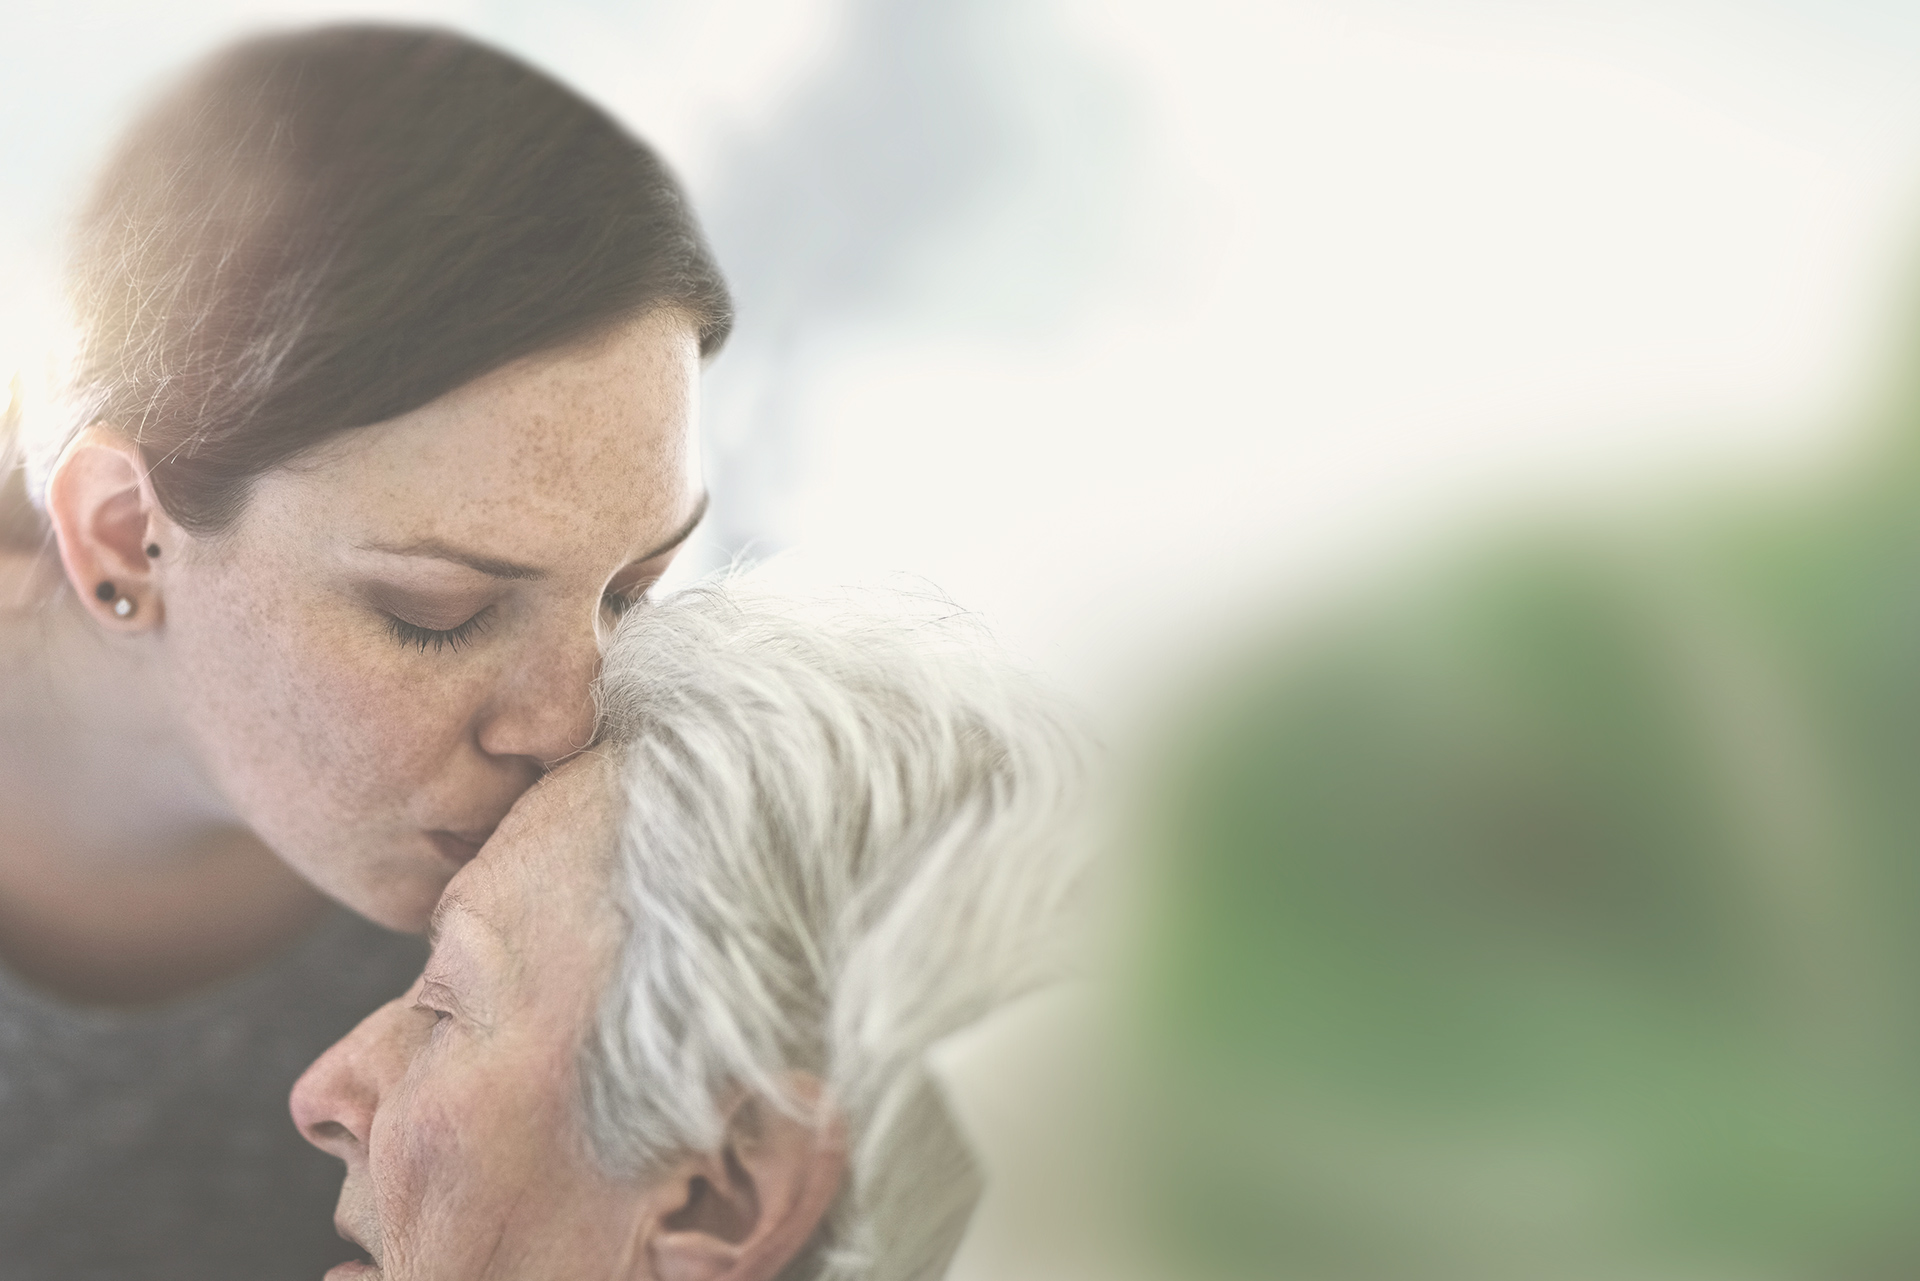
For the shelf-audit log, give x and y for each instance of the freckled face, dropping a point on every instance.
(399, 634)
(454, 1106)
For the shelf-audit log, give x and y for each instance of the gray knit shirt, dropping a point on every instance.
(155, 1144)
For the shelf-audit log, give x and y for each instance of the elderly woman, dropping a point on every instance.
(677, 1013)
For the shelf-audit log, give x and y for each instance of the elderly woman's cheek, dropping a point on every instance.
(443, 1188)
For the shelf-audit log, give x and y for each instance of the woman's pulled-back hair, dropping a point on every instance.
(326, 229)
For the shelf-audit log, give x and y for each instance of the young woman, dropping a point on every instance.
(381, 410)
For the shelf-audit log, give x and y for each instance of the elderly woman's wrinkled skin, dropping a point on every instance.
(455, 1106)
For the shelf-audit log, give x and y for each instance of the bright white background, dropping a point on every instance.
(1111, 317)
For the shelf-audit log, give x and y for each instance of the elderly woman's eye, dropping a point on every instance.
(434, 1000)
(428, 1007)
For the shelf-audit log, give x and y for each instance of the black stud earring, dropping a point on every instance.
(153, 551)
(123, 606)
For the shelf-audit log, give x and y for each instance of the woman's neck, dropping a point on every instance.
(124, 877)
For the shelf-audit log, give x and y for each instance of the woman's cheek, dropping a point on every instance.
(327, 719)
(384, 716)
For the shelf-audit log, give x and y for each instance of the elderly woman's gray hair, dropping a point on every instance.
(849, 832)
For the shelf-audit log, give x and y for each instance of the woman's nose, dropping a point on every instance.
(334, 1101)
(546, 713)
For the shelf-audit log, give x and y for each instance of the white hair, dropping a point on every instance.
(849, 832)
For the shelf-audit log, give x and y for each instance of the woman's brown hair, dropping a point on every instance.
(325, 229)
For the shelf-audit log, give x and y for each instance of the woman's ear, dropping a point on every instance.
(108, 523)
(747, 1211)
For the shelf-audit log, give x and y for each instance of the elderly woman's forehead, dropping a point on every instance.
(555, 839)
(564, 820)
(582, 789)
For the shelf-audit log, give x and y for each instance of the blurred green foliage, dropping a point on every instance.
(1559, 918)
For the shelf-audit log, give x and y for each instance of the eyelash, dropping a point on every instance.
(452, 638)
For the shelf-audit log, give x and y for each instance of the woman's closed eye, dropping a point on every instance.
(420, 635)
(438, 639)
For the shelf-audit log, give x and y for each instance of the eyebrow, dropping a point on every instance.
(434, 549)
(683, 533)
(448, 904)
(452, 901)
(495, 567)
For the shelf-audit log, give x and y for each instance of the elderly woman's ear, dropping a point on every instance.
(747, 1211)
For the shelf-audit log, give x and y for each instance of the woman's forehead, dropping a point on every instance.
(576, 421)
(593, 462)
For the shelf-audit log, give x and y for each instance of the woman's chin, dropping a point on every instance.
(398, 892)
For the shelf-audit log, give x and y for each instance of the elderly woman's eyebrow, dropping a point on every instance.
(453, 901)
(437, 922)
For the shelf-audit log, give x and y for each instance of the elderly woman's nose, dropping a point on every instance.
(334, 1100)
(545, 714)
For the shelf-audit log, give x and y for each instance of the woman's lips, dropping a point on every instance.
(458, 848)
